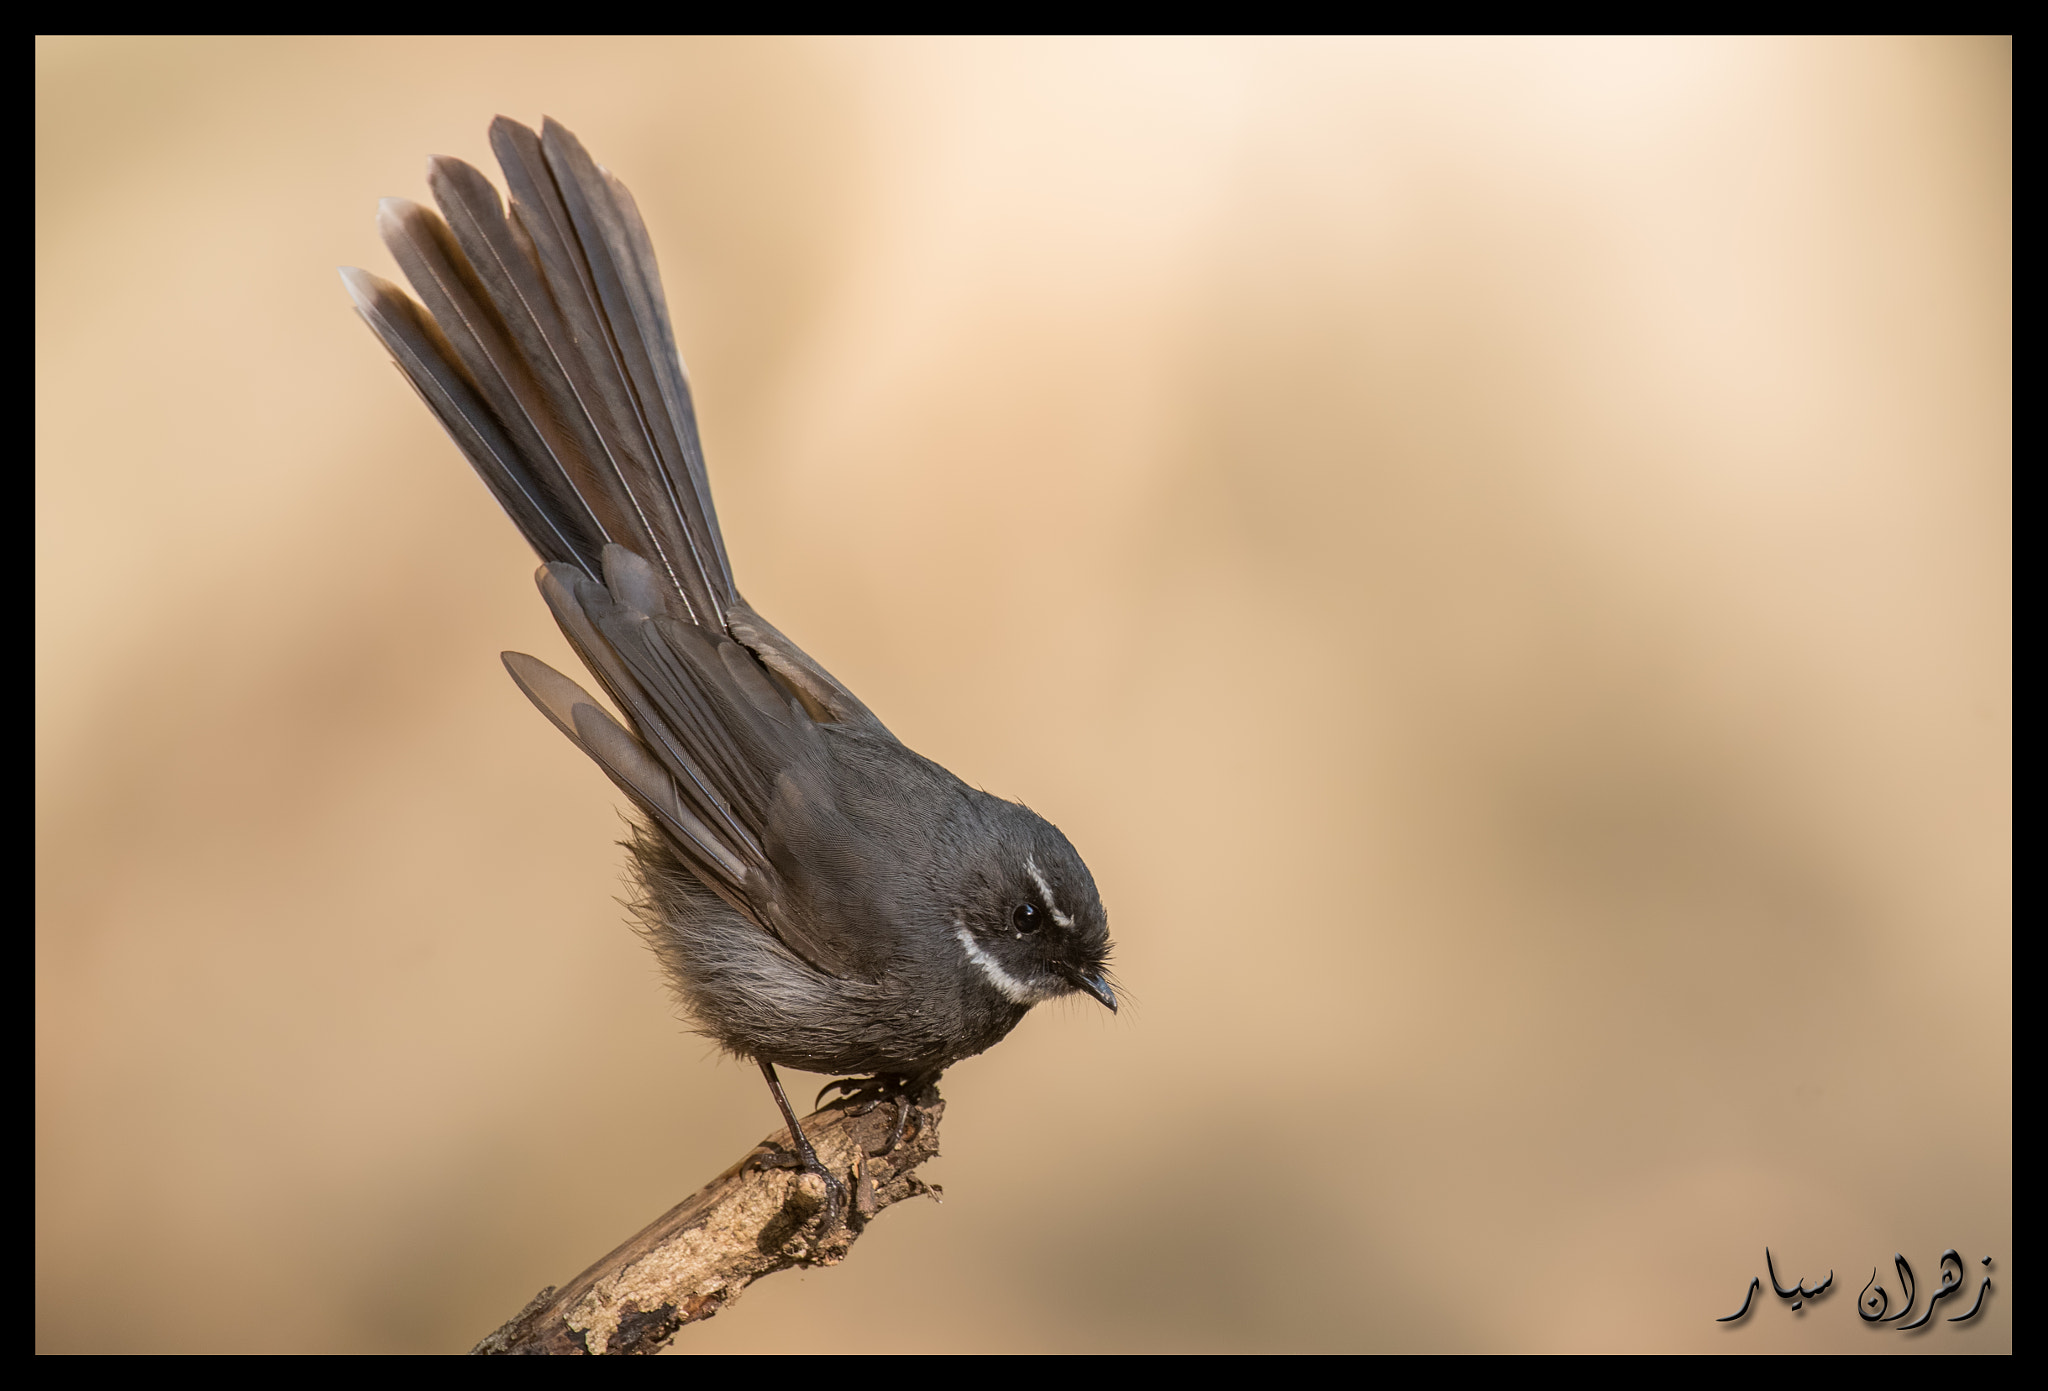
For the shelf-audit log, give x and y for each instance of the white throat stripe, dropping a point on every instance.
(1014, 990)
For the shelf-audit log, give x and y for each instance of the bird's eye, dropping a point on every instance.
(1025, 917)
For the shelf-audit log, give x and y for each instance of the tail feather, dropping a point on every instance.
(492, 360)
(619, 362)
(552, 316)
(615, 465)
(629, 288)
(428, 361)
(509, 278)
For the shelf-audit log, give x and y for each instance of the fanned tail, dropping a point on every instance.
(545, 350)
(549, 357)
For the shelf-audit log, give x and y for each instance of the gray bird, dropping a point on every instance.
(821, 896)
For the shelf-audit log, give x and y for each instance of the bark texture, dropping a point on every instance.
(748, 1222)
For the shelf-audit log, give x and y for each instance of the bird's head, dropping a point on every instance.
(1030, 921)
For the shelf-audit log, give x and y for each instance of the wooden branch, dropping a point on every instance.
(696, 1258)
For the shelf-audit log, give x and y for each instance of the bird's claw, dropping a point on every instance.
(869, 1089)
(866, 1093)
(835, 1189)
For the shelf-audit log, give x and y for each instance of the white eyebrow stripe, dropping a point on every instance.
(1014, 990)
(1045, 892)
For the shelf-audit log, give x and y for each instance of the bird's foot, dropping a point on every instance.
(835, 1189)
(866, 1093)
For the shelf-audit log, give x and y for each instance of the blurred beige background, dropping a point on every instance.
(1498, 553)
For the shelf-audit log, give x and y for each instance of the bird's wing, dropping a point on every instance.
(546, 352)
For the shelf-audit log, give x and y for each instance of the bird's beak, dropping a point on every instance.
(1090, 981)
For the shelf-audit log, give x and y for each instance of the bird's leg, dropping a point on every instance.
(806, 1157)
